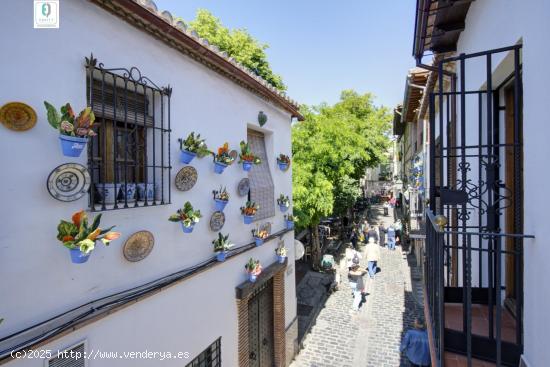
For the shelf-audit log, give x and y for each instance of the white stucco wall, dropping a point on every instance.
(37, 279)
(492, 24)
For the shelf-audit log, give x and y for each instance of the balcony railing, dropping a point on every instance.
(467, 296)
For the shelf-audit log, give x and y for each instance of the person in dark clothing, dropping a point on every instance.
(354, 237)
(382, 234)
(372, 233)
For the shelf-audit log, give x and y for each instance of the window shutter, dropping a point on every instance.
(65, 359)
(262, 190)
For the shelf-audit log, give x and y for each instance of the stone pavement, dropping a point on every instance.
(370, 337)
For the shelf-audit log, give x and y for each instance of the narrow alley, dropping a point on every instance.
(371, 337)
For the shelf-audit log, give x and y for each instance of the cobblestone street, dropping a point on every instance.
(372, 336)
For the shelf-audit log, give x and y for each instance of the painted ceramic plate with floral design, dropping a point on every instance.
(217, 221)
(243, 187)
(69, 182)
(17, 116)
(138, 246)
(186, 178)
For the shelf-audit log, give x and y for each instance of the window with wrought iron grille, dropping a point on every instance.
(129, 158)
(210, 357)
(262, 190)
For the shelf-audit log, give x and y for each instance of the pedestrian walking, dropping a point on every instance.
(391, 238)
(398, 230)
(354, 237)
(415, 344)
(356, 275)
(353, 258)
(381, 234)
(372, 254)
(372, 233)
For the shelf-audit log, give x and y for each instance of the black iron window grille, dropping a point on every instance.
(129, 158)
(210, 357)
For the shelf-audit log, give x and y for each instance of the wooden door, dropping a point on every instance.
(260, 327)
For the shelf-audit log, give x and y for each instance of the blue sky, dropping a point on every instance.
(321, 47)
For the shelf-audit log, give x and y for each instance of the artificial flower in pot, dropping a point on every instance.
(80, 238)
(247, 158)
(193, 146)
(283, 161)
(249, 211)
(283, 202)
(253, 269)
(221, 246)
(221, 198)
(259, 236)
(280, 251)
(289, 221)
(187, 216)
(73, 130)
(222, 159)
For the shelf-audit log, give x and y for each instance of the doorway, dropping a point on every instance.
(260, 326)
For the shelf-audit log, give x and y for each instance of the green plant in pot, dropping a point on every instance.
(281, 253)
(221, 246)
(73, 130)
(249, 211)
(191, 147)
(223, 158)
(80, 237)
(253, 269)
(289, 221)
(187, 216)
(247, 158)
(283, 202)
(221, 198)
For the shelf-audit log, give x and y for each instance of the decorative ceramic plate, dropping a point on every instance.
(186, 178)
(68, 182)
(17, 116)
(234, 154)
(243, 187)
(138, 246)
(266, 227)
(217, 221)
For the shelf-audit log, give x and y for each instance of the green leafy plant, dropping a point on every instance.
(221, 243)
(253, 267)
(79, 234)
(194, 144)
(69, 124)
(223, 155)
(250, 208)
(247, 155)
(221, 194)
(260, 233)
(283, 158)
(187, 215)
(281, 250)
(283, 200)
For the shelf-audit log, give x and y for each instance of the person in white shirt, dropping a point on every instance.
(372, 253)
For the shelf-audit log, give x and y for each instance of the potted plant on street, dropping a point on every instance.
(283, 202)
(259, 236)
(187, 216)
(247, 158)
(249, 211)
(73, 130)
(289, 220)
(192, 147)
(280, 251)
(221, 198)
(222, 159)
(221, 246)
(283, 161)
(80, 237)
(253, 269)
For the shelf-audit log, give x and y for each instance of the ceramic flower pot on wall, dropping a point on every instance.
(187, 156)
(219, 167)
(187, 229)
(220, 204)
(72, 146)
(78, 257)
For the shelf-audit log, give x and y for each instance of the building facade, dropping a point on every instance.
(149, 81)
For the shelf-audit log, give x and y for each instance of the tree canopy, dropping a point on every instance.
(238, 43)
(331, 150)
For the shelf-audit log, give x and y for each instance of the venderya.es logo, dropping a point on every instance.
(46, 13)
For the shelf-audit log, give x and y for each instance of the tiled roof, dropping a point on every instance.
(162, 24)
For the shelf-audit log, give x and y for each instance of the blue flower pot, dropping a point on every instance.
(219, 167)
(252, 277)
(72, 146)
(78, 257)
(220, 205)
(187, 229)
(248, 219)
(220, 256)
(289, 224)
(187, 156)
(259, 241)
(247, 166)
(283, 166)
(281, 259)
(283, 208)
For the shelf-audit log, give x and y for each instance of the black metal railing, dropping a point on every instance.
(129, 158)
(476, 337)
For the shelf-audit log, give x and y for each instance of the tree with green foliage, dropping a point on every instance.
(331, 149)
(238, 43)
